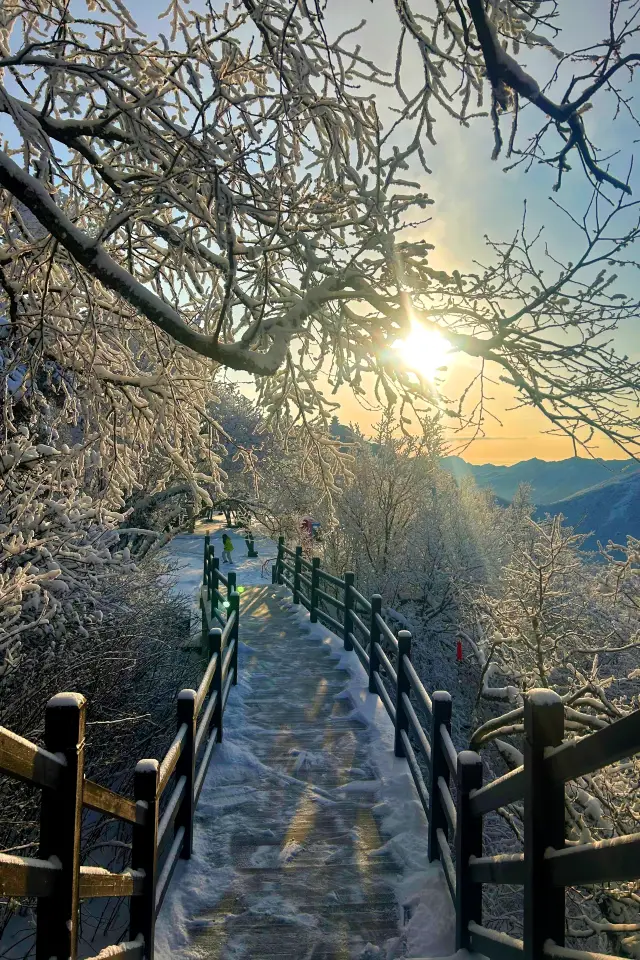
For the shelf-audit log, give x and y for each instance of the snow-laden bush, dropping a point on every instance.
(130, 665)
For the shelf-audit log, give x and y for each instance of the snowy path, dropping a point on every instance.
(309, 842)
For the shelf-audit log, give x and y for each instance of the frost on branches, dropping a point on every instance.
(558, 619)
(226, 190)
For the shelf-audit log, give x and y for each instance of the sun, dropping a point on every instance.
(423, 351)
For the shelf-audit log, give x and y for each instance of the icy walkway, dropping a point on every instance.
(309, 842)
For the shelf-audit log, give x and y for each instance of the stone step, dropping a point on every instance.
(298, 857)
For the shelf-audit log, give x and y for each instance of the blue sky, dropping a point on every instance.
(474, 196)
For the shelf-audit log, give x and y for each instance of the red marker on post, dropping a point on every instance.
(459, 651)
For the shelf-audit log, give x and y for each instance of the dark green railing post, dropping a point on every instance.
(235, 608)
(251, 548)
(297, 567)
(215, 648)
(374, 632)
(58, 918)
(468, 844)
(144, 854)
(349, 579)
(212, 650)
(231, 586)
(402, 686)
(313, 596)
(207, 543)
(544, 814)
(186, 767)
(279, 560)
(440, 715)
(215, 565)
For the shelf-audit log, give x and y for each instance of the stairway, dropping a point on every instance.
(287, 863)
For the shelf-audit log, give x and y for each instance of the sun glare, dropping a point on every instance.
(424, 351)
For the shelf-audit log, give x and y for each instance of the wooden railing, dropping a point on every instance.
(453, 795)
(56, 877)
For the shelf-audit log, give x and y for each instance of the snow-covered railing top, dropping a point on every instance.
(161, 812)
(450, 783)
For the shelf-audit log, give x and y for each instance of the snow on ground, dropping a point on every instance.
(422, 890)
(236, 777)
(186, 554)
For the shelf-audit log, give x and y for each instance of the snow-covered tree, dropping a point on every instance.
(228, 193)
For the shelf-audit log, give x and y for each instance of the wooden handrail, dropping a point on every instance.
(546, 865)
(23, 760)
(102, 800)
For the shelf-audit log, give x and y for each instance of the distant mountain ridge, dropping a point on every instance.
(609, 511)
(550, 480)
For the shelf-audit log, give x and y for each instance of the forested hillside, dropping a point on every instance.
(548, 480)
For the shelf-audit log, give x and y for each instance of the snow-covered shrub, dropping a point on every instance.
(130, 665)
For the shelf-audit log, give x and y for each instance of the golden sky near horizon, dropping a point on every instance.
(520, 436)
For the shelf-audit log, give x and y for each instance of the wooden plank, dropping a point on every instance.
(96, 882)
(228, 627)
(498, 793)
(329, 599)
(363, 656)
(226, 660)
(447, 804)
(133, 950)
(384, 659)
(227, 688)
(416, 772)
(468, 844)
(205, 683)
(449, 751)
(204, 764)
(219, 617)
(58, 916)
(577, 758)
(169, 866)
(362, 626)
(144, 854)
(286, 581)
(186, 767)
(417, 729)
(171, 758)
(103, 800)
(384, 696)
(171, 810)
(388, 632)
(600, 862)
(205, 720)
(27, 876)
(424, 699)
(23, 760)
(543, 822)
(492, 943)
(565, 953)
(440, 716)
(503, 868)
(329, 577)
(331, 621)
(362, 600)
(447, 862)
